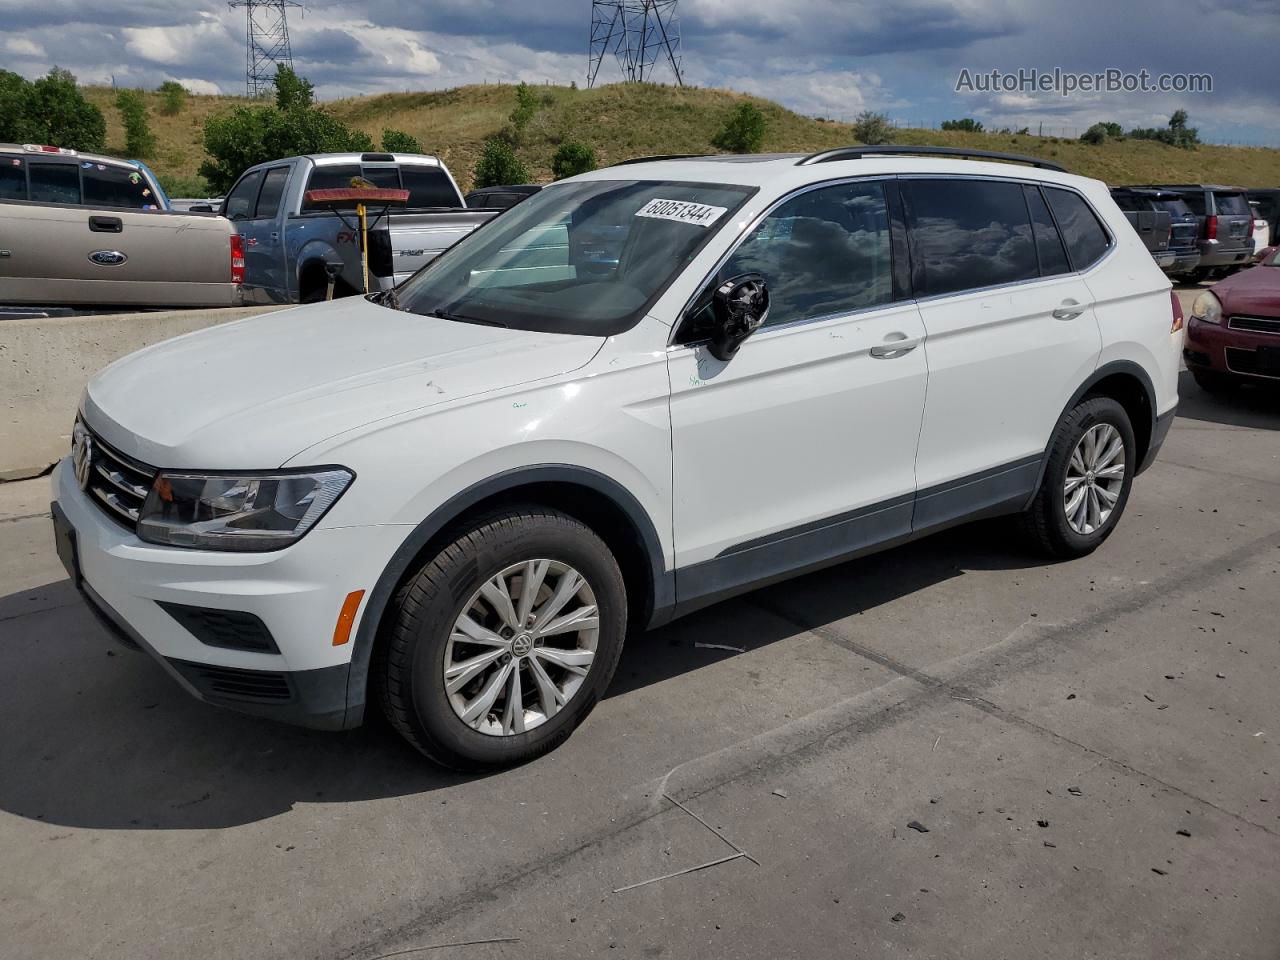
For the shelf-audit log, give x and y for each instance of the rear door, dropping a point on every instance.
(260, 227)
(1010, 334)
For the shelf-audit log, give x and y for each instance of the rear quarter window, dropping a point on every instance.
(13, 179)
(1084, 235)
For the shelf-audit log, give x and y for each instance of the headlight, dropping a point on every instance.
(241, 512)
(1207, 308)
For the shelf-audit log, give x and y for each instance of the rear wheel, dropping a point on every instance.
(504, 641)
(1086, 482)
(1211, 381)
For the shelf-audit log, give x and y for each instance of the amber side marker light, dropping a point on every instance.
(346, 617)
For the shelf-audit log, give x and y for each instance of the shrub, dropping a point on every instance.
(743, 131)
(1096, 134)
(15, 97)
(173, 97)
(397, 141)
(1176, 134)
(498, 165)
(966, 124)
(138, 139)
(57, 113)
(872, 128)
(571, 159)
(180, 186)
(292, 91)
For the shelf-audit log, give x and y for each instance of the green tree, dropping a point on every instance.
(16, 93)
(872, 128)
(293, 91)
(397, 141)
(173, 97)
(1096, 134)
(571, 159)
(139, 142)
(1178, 121)
(743, 131)
(58, 114)
(966, 124)
(498, 165)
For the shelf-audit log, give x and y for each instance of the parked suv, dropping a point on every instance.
(453, 502)
(1226, 226)
(1173, 247)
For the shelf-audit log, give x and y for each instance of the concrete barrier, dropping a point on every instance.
(45, 362)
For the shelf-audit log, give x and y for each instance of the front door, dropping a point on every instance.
(800, 449)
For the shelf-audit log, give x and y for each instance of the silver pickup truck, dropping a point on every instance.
(289, 244)
(82, 231)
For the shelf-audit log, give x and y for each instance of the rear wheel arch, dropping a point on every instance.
(1128, 384)
(598, 501)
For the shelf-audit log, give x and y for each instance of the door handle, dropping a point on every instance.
(1070, 309)
(106, 225)
(275, 235)
(895, 345)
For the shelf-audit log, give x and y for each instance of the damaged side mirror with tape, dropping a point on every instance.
(740, 306)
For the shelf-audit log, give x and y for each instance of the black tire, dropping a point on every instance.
(408, 671)
(1045, 522)
(1200, 274)
(1212, 381)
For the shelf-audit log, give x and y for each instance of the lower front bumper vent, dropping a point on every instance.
(216, 683)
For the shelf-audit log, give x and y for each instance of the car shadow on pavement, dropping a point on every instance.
(1253, 405)
(97, 736)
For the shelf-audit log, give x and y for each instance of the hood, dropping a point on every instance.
(1254, 291)
(253, 393)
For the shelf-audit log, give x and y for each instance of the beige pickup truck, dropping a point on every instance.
(91, 232)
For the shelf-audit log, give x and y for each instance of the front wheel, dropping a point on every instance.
(1086, 482)
(504, 641)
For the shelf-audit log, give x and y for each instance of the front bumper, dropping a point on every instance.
(1218, 347)
(296, 594)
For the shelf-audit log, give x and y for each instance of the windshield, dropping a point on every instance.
(588, 257)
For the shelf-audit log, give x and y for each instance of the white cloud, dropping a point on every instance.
(173, 44)
(23, 47)
(196, 85)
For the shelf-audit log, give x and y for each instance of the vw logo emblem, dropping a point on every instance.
(521, 645)
(82, 456)
(107, 258)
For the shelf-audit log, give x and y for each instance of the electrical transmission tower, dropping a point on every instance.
(638, 33)
(266, 42)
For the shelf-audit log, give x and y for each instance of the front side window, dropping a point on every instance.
(968, 234)
(110, 186)
(243, 197)
(588, 257)
(55, 183)
(822, 253)
(1085, 239)
(13, 179)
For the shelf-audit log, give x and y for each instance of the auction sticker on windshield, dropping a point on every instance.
(682, 211)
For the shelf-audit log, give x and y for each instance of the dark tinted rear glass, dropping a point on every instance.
(384, 178)
(1128, 201)
(1086, 240)
(1053, 257)
(1195, 200)
(55, 182)
(13, 179)
(272, 190)
(109, 186)
(429, 187)
(1232, 205)
(1173, 206)
(969, 233)
(331, 177)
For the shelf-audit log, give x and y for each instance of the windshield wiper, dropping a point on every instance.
(458, 318)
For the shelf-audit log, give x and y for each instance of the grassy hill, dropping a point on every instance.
(625, 120)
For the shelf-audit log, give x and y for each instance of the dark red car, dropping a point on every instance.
(1233, 335)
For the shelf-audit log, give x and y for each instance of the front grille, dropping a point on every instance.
(117, 483)
(1246, 361)
(232, 683)
(234, 629)
(1254, 324)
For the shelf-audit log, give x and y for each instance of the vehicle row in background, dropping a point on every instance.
(501, 197)
(83, 230)
(1168, 228)
(1225, 222)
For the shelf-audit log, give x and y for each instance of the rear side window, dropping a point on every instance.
(1053, 256)
(1085, 238)
(110, 186)
(968, 234)
(431, 187)
(55, 183)
(1232, 205)
(13, 179)
(243, 197)
(823, 253)
(272, 190)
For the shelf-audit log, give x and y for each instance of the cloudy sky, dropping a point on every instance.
(827, 57)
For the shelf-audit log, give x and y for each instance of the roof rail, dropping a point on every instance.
(661, 156)
(857, 153)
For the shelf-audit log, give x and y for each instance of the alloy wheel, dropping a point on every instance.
(1095, 478)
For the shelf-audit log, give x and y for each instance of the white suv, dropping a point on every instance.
(639, 391)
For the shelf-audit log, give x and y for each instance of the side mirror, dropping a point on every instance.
(740, 306)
